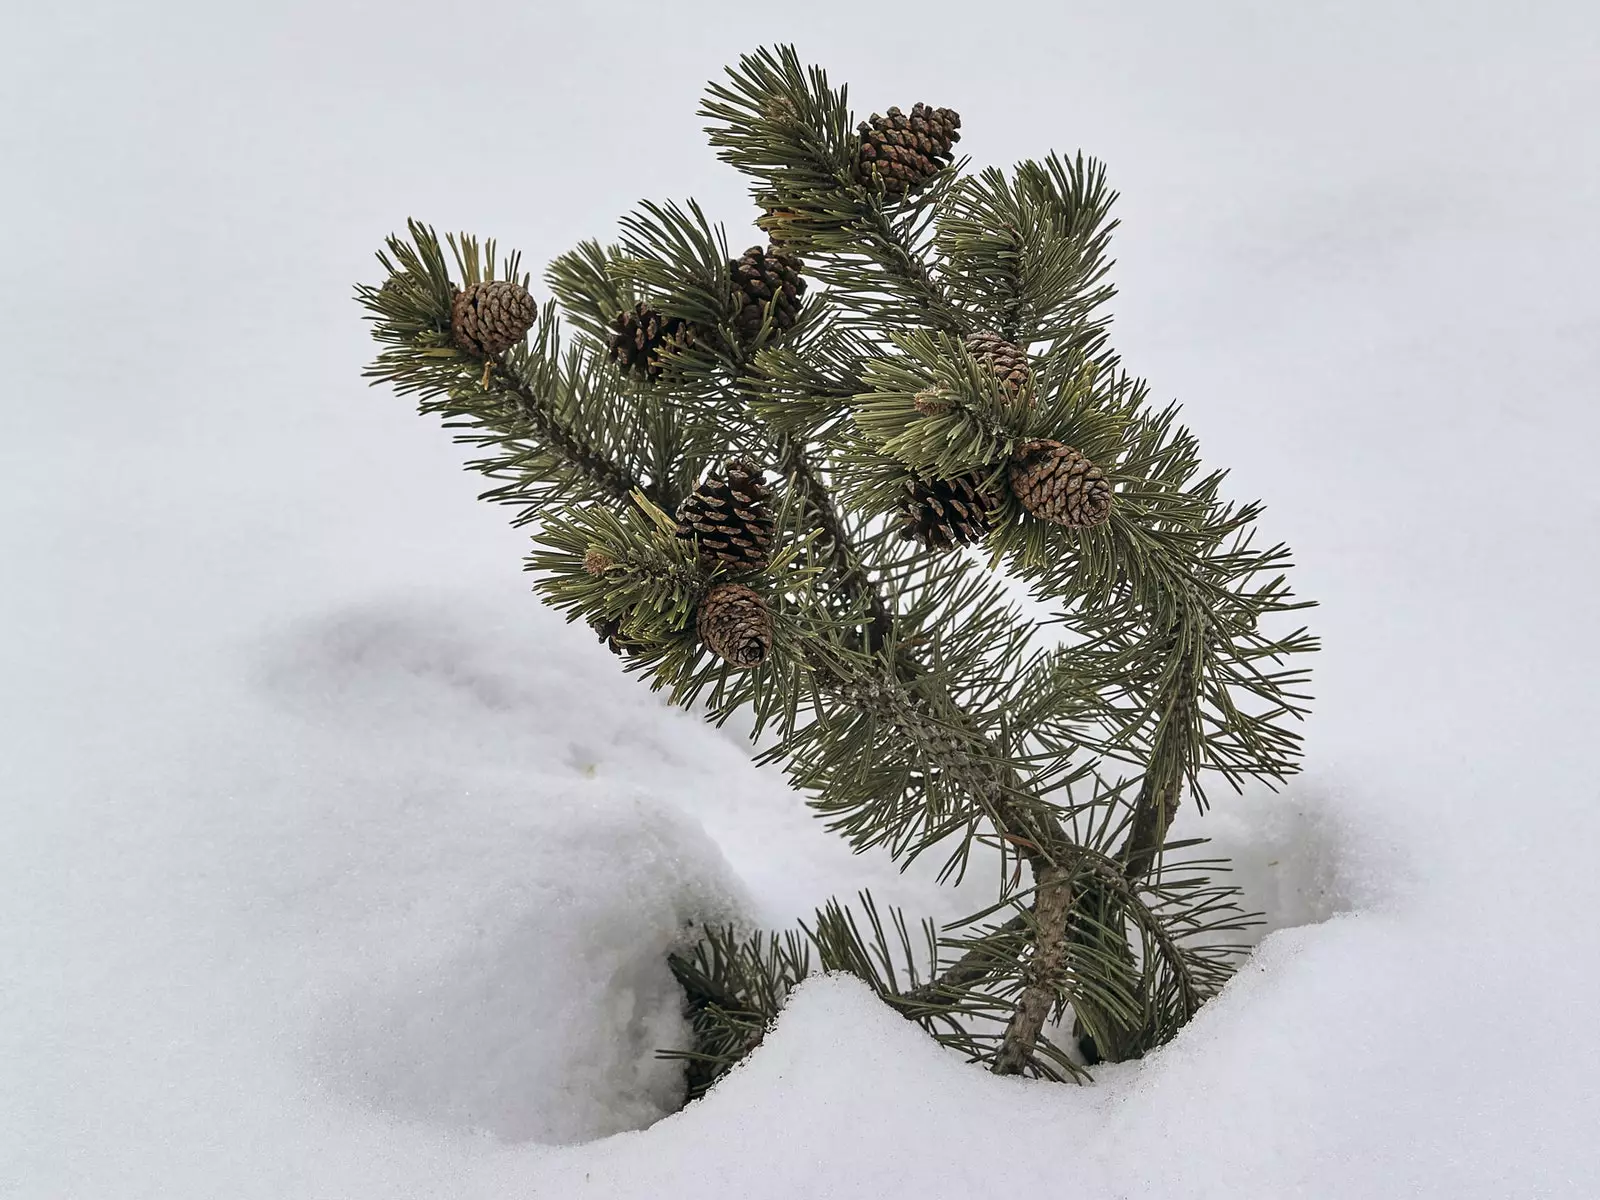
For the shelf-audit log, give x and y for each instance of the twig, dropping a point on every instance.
(969, 968)
(593, 465)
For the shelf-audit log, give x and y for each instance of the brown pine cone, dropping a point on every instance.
(766, 275)
(903, 153)
(610, 631)
(942, 513)
(728, 519)
(734, 624)
(1055, 483)
(1007, 360)
(643, 338)
(487, 319)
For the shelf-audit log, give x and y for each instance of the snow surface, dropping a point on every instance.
(335, 866)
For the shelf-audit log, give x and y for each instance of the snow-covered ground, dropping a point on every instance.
(335, 866)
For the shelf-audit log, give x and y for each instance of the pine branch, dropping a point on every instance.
(534, 405)
(1161, 791)
(1040, 835)
(975, 965)
(1020, 823)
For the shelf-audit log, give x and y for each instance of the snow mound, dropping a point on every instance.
(1301, 856)
(519, 986)
(479, 915)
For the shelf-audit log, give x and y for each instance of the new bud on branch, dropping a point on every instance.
(756, 502)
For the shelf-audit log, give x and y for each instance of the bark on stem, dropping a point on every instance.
(1052, 905)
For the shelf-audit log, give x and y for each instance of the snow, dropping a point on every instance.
(336, 866)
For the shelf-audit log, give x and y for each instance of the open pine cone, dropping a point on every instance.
(728, 519)
(642, 338)
(903, 153)
(942, 513)
(762, 275)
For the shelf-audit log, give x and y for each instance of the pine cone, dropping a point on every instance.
(1056, 483)
(643, 338)
(734, 624)
(610, 631)
(728, 518)
(904, 152)
(941, 513)
(1008, 361)
(762, 275)
(487, 319)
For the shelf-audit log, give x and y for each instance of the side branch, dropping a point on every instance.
(583, 458)
(792, 460)
(1156, 806)
(974, 965)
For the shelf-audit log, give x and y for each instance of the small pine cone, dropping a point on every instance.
(734, 624)
(942, 513)
(1008, 361)
(610, 631)
(1055, 483)
(642, 339)
(487, 319)
(766, 275)
(728, 518)
(903, 153)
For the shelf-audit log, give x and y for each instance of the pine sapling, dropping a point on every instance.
(803, 484)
